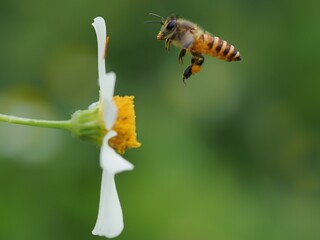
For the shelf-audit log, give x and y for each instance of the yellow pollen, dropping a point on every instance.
(125, 125)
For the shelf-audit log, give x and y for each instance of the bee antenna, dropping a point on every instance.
(154, 22)
(158, 16)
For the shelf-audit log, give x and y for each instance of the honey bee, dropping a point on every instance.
(194, 40)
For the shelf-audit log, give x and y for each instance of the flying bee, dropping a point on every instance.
(194, 40)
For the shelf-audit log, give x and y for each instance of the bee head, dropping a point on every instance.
(168, 28)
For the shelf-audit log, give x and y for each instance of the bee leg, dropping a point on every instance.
(187, 73)
(196, 62)
(168, 43)
(182, 54)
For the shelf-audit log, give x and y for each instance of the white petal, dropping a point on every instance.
(110, 219)
(107, 82)
(110, 160)
(110, 113)
(101, 32)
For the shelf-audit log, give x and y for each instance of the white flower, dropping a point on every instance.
(110, 217)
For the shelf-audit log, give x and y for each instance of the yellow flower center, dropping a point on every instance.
(125, 125)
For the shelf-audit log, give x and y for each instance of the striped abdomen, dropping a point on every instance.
(216, 47)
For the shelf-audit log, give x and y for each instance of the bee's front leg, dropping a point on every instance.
(182, 54)
(196, 62)
(168, 43)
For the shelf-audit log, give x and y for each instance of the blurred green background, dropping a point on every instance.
(234, 155)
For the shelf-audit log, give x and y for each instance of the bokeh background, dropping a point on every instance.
(235, 154)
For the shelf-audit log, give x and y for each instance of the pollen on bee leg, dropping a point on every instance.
(195, 69)
(125, 125)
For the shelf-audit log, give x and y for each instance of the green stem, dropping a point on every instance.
(36, 123)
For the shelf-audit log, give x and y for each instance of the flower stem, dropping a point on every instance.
(36, 122)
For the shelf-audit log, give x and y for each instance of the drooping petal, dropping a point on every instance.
(111, 161)
(110, 219)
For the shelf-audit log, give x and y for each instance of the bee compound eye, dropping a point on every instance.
(171, 24)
